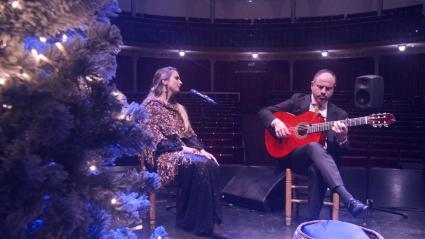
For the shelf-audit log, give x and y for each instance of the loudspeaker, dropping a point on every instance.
(257, 187)
(369, 91)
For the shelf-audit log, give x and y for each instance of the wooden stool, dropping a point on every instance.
(290, 198)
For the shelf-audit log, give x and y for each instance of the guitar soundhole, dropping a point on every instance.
(302, 129)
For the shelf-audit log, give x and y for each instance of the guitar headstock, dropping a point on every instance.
(381, 119)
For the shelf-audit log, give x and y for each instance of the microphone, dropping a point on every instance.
(204, 97)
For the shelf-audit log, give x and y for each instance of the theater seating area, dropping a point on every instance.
(401, 23)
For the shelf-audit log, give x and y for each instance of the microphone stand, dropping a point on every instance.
(369, 200)
(202, 105)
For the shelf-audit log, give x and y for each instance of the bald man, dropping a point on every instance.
(316, 160)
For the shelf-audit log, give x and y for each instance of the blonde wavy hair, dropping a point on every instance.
(158, 88)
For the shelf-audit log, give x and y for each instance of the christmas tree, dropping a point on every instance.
(63, 123)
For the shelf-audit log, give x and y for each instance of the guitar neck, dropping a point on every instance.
(319, 127)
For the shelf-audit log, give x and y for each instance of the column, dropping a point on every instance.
(133, 8)
(134, 60)
(291, 75)
(379, 7)
(376, 65)
(293, 10)
(212, 67)
(212, 11)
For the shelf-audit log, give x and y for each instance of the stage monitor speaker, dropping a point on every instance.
(256, 187)
(369, 92)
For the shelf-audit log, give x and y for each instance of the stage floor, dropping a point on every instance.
(401, 190)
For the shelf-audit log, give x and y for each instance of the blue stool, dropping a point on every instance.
(330, 229)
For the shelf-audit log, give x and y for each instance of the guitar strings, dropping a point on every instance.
(330, 123)
(324, 124)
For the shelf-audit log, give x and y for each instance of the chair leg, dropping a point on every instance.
(288, 197)
(335, 206)
(296, 207)
(152, 212)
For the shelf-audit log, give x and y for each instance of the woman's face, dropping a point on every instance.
(173, 84)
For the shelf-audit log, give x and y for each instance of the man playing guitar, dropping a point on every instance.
(314, 159)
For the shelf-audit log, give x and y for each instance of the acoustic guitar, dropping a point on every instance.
(310, 127)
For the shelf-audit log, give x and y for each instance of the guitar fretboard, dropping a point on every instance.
(314, 128)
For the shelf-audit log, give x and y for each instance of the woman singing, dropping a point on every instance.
(180, 156)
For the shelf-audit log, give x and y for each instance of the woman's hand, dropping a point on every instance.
(209, 156)
(200, 152)
(189, 150)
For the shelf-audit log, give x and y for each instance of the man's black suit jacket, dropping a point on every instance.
(300, 103)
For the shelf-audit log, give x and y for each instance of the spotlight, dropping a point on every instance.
(114, 201)
(250, 1)
(255, 55)
(324, 53)
(401, 47)
(182, 53)
(6, 106)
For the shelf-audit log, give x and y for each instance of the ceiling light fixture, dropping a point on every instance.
(402, 47)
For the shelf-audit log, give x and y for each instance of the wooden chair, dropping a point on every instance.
(153, 200)
(152, 211)
(290, 197)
